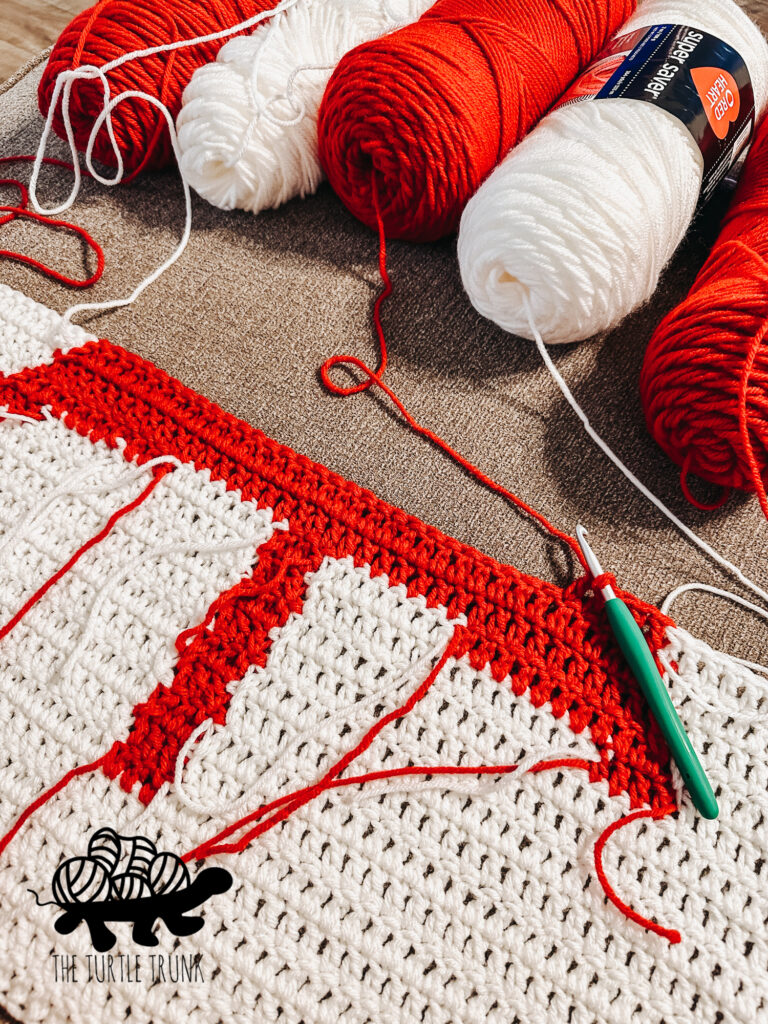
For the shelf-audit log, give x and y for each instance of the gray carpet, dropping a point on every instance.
(256, 304)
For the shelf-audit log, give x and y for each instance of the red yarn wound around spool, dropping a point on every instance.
(704, 382)
(434, 106)
(114, 27)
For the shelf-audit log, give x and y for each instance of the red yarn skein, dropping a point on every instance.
(115, 27)
(704, 382)
(434, 106)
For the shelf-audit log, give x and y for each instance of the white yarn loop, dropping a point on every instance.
(248, 124)
(686, 588)
(62, 92)
(727, 595)
(582, 217)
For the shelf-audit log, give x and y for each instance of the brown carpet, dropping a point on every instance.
(256, 304)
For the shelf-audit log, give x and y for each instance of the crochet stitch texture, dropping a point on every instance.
(236, 634)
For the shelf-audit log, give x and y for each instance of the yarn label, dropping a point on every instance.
(696, 77)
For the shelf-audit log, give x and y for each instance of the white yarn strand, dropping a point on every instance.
(72, 488)
(607, 450)
(62, 92)
(248, 123)
(727, 595)
(413, 675)
(583, 216)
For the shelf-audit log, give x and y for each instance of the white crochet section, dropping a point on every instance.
(103, 636)
(29, 332)
(357, 651)
(408, 902)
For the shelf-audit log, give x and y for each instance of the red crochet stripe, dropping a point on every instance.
(552, 643)
(211, 660)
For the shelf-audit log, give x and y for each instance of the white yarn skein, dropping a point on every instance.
(582, 217)
(248, 124)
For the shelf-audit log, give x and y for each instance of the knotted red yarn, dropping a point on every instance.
(434, 106)
(112, 28)
(704, 382)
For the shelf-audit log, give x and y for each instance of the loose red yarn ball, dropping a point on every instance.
(704, 382)
(434, 106)
(112, 28)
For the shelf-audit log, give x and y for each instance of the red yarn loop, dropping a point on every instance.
(433, 107)
(375, 378)
(21, 211)
(704, 382)
(109, 30)
(672, 935)
(606, 579)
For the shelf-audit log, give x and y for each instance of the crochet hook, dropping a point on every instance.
(633, 644)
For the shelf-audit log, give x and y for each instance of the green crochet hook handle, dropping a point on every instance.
(633, 644)
(635, 649)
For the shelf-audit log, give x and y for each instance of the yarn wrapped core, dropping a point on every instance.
(248, 123)
(434, 106)
(575, 226)
(113, 28)
(704, 381)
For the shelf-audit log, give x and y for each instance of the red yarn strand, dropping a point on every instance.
(21, 211)
(374, 378)
(45, 797)
(671, 934)
(410, 771)
(96, 539)
(294, 801)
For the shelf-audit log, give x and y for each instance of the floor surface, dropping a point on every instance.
(28, 26)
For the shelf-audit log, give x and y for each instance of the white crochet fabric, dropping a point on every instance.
(27, 330)
(442, 901)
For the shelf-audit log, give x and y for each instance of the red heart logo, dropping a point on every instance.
(720, 95)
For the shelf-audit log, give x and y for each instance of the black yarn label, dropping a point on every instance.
(694, 76)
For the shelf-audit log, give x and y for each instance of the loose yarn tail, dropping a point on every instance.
(283, 807)
(92, 542)
(374, 378)
(21, 211)
(724, 563)
(82, 769)
(671, 934)
(59, 112)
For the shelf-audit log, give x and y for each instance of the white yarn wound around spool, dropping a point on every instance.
(248, 124)
(582, 217)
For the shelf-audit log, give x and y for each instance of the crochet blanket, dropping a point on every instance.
(274, 750)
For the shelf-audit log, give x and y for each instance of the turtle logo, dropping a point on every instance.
(125, 878)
